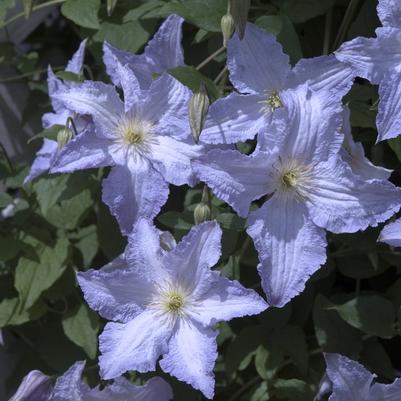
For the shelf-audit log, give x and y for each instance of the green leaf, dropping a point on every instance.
(88, 244)
(176, 220)
(49, 190)
(12, 314)
(231, 221)
(333, 333)
(268, 359)
(5, 199)
(70, 76)
(395, 145)
(130, 36)
(81, 327)
(33, 277)
(49, 133)
(303, 10)
(293, 390)
(9, 248)
(373, 315)
(83, 13)
(192, 78)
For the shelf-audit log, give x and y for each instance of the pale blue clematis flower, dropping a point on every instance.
(162, 53)
(379, 60)
(166, 303)
(34, 387)
(353, 382)
(146, 139)
(299, 165)
(46, 154)
(261, 73)
(391, 234)
(70, 387)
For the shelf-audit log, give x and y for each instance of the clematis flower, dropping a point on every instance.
(261, 73)
(379, 60)
(352, 382)
(165, 303)
(391, 233)
(47, 153)
(354, 155)
(70, 387)
(146, 139)
(162, 53)
(34, 387)
(298, 163)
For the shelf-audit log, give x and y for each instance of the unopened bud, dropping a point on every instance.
(64, 136)
(239, 10)
(167, 241)
(198, 108)
(203, 211)
(34, 387)
(227, 27)
(111, 5)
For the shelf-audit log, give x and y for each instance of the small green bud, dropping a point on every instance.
(198, 108)
(239, 10)
(64, 136)
(227, 27)
(28, 5)
(111, 4)
(202, 213)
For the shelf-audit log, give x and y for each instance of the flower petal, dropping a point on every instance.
(389, 116)
(351, 381)
(191, 356)
(119, 294)
(389, 12)
(77, 61)
(43, 161)
(342, 202)
(234, 118)
(372, 58)
(130, 85)
(190, 261)
(325, 74)
(165, 51)
(257, 63)
(172, 158)
(84, 151)
(135, 345)
(234, 177)
(70, 385)
(290, 247)
(388, 392)
(226, 300)
(391, 234)
(134, 193)
(97, 100)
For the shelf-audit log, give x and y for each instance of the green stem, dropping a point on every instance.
(342, 32)
(36, 8)
(221, 75)
(245, 387)
(211, 57)
(28, 74)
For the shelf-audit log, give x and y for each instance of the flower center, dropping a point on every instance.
(174, 302)
(134, 132)
(289, 178)
(274, 101)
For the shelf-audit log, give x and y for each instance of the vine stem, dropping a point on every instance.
(29, 74)
(35, 8)
(211, 57)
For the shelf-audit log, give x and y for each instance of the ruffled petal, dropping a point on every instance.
(324, 74)
(389, 12)
(290, 247)
(43, 161)
(191, 356)
(257, 63)
(234, 177)
(69, 386)
(353, 154)
(133, 94)
(119, 294)
(173, 160)
(134, 193)
(226, 300)
(165, 51)
(388, 392)
(372, 58)
(389, 116)
(234, 118)
(96, 99)
(84, 151)
(190, 261)
(351, 381)
(77, 61)
(135, 345)
(342, 202)
(391, 234)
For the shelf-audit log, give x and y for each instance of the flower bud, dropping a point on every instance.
(111, 4)
(198, 108)
(34, 387)
(63, 137)
(28, 5)
(203, 211)
(227, 27)
(239, 10)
